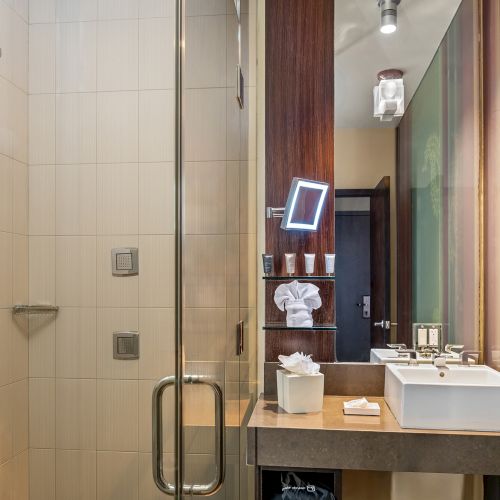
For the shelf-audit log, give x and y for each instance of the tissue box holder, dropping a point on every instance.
(300, 393)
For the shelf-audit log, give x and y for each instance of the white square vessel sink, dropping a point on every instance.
(464, 398)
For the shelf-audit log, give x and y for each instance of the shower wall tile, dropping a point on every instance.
(76, 128)
(76, 57)
(156, 196)
(206, 7)
(117, 199)
(206, 52)
(20, 276)
(42, 265)
(42, 184)
(76, 199)
(117, 476)
(117, 415)
(6, 271)
(156, 8)
(117, 127)
(118, 9)
(76, 10)
(6, 195)
(117, 54)
(42, 473)
(76, 342)
(42, 412)
(42, 11)
(156, 125)
(156, 53)
(19, 350)
(42, 58)
(76, 472)
(20, 197)
(42, 129)
(42, 347)
(6, 341)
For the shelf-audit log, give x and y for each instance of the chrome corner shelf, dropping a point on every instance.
(36, 309)
(282, 326)
(291, 278)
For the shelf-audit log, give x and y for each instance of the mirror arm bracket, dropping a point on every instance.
(275, 213)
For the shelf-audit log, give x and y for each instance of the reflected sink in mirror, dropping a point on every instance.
(463, 398)
(384, 356)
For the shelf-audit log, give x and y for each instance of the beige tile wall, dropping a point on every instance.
(13, 249)
(101, 175)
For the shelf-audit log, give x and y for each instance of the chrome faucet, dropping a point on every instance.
(412, 355)
(466, 355)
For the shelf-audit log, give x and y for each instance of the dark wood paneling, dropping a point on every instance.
(404, 229)
(299, 129)
(321, 344)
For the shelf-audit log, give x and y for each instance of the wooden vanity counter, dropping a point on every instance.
(331, 440)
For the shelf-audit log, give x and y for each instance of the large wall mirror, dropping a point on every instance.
(408, 198)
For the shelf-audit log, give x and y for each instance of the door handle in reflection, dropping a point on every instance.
(240, 338)
(385, 324)
(220, 466)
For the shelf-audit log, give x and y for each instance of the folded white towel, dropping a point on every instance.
(298, 299)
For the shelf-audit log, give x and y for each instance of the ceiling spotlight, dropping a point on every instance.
(388, 15)
(389, 95)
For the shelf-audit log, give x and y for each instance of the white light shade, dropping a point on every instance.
(389, 99)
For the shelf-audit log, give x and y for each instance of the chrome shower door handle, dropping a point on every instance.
(220, 452)
(158, 475)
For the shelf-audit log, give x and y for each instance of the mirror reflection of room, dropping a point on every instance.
(406, 181)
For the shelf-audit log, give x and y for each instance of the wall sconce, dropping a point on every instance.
(389, 95)
(304, 205)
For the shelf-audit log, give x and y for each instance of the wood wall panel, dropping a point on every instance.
(299, 131)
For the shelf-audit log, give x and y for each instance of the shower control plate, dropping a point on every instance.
(125, 261)
(126, 345)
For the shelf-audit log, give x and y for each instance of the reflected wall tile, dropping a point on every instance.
(205, 52)
(42, 11)
(76, 128)
(234, 113)
(115, 291)
(42, 58)
(233, 197)
(205, 112)
(76, 342)
(76, 414)
(156, 8)
(117, 127)
(76, 57)
(20, 290)
(18, 117)
(42, 184)
(42, 120)
(205, 198)
(42, 412)
(232, 55)
(20, 416)
(20, 349)
(117, 415)
(205, 334)
(76, 10)
(6, 197)
(20, 476)
(20, 43)
(110, 320)
(156, 125)
(76, 199)
(75, 271)
(157, 271)
(248, 141)
(233, 270)
(157, 337)
(42, 472)
(205, 7)
(117, 54)
(204, 271)
(156, 52)
(117, 199)
(156, 198)
(76, 472)
(117, 475)
(42, 265)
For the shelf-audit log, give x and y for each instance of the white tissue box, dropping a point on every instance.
(300, 393)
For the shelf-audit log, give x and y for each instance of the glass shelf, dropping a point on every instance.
(291, 278)
(282, 326)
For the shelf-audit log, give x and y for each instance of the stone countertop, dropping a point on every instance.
(331, 440)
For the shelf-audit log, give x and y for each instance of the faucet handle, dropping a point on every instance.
(453, 348)
(466, 355)
(396, 346)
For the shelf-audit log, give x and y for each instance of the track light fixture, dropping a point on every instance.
(388, 15)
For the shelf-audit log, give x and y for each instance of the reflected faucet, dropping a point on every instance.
(466, 355)
(412, 355)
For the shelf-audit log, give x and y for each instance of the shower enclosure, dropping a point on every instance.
(129, 375)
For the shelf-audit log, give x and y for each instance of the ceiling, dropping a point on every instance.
(361, 51)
